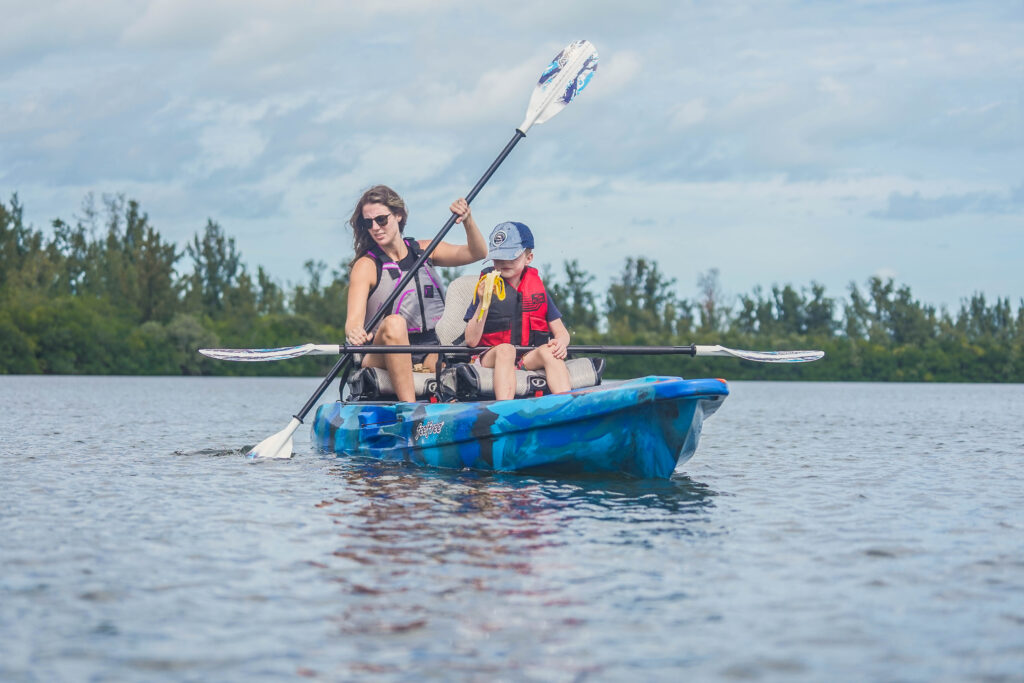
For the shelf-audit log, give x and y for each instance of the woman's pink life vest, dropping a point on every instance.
(421, 303)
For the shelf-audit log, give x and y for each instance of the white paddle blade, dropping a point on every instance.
(565, 78)
(762, 356)
(277, 446)
(281, 353)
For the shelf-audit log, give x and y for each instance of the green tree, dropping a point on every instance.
(326, 304)
(186, 335)
(270, 298)
(820, 313)
(714, 313)
(15, 239)
(17, 355)
(575, 299)
(101, 294)
(642, 302)
(137, 266)
(451, 274)
(216, 265)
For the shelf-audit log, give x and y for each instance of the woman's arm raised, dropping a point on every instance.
(448, 255)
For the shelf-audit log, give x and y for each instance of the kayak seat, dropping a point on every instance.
(475, 383)
(469, 382)
(372, 384)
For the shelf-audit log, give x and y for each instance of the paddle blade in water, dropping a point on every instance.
(565, 78)
(277, 446)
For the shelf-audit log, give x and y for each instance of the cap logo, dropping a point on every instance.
(499, 238)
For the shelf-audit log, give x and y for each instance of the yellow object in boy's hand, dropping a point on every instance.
(493, 284)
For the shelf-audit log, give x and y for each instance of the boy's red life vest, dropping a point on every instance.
(520, 319)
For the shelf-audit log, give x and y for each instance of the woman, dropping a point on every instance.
(383, 257)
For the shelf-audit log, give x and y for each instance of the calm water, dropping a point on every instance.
(822, 532)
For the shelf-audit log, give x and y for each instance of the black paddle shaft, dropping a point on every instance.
(583, 349)
(386, 306)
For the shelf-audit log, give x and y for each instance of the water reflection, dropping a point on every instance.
(518, 497)
(447, 559)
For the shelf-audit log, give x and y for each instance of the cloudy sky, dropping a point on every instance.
(780, 142)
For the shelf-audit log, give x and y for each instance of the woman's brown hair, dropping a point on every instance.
(378, 194)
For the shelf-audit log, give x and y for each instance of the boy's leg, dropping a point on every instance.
(502, 358)
(554, 369)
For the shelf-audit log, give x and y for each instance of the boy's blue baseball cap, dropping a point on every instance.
(508, 240)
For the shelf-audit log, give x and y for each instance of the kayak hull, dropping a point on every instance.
(645, 428)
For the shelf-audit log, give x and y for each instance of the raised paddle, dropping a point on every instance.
(563, 79)
(287, 352)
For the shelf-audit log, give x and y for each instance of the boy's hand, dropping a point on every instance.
(558, 348)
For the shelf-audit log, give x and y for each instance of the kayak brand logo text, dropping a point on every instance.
(427, 429)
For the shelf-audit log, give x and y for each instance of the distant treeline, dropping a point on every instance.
(105, 294)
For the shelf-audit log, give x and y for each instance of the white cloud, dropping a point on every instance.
(618, 71)
(756, 138)
(226, 146)
(839, 91)
(887, 273)
(401, 161)
(35, 29)
(182, 24)
(690, 113)
(495, 95)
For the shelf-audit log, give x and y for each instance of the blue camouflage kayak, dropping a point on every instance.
(644, 427)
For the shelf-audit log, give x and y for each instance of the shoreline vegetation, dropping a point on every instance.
(106, 294)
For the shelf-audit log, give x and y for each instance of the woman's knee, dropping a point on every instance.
(394, 330)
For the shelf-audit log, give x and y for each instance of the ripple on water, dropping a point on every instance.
(820, 528)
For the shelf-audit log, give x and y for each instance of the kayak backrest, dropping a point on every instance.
(457, 298)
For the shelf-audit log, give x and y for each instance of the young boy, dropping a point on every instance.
(520, 312)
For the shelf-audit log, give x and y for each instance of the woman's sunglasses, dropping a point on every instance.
(381, 220)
